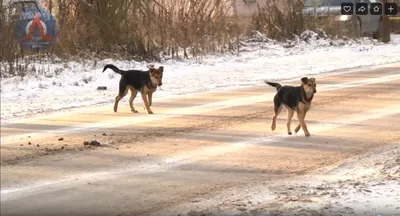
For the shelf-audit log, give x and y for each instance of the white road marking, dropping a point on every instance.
(186, 111)
(184, 158)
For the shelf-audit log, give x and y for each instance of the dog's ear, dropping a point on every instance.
(150, 66)
(304, 80)
(161, 68)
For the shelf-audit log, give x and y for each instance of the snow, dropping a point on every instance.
(367, 184)
(55, 86)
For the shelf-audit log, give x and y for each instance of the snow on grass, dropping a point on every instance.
(63, 85)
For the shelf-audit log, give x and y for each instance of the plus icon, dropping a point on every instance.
(391, 9)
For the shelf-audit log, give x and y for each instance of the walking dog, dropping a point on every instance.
(137, 80)
(294, 99)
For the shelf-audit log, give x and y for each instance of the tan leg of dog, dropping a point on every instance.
(290, 116)
(300, 117)
(150, 99)
(299, 126)
(117, 99)
(132, 98)
(146, 104)
(277, 111)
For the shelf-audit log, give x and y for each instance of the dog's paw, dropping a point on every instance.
(134, 111)
(289, 133)
(307, 134)
(297, 129)
(148, 111)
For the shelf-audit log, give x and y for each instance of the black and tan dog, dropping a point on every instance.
(137, 80)
(294, 99)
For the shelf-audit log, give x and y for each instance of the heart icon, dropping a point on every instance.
(346, 8)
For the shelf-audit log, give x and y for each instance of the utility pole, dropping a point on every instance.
(385, 27)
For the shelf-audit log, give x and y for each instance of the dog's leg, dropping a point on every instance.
(277, 109)
(150, 99)
(122, 91)
(290, 116)
(118, 98)
(146, 104)
(300, 117)
(301, 114)
(299, 126)
(132, 98)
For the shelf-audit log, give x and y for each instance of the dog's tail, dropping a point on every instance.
(276, 85)
(114, 68)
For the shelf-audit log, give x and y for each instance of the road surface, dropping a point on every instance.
(194, 148)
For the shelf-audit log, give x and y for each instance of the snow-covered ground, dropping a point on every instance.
(365, 185)
(63, 85)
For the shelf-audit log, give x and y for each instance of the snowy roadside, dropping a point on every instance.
(364, 185)
(65, 85)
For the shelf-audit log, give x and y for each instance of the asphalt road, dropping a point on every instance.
(193, 148)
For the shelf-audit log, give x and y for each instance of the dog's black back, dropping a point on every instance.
(135, 78)
(291, 96)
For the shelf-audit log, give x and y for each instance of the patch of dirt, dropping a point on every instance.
(92, 143)
(199, 213)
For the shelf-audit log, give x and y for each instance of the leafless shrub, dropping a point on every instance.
(128, 29)
(282, 19)
(279, 19)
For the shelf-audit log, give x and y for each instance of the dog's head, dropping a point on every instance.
(309, 85)
(156, 74)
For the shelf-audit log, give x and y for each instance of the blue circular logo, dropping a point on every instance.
(35, 29)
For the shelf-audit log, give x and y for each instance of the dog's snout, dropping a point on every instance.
(315, 90)
(160, 84)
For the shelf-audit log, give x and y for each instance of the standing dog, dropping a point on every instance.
(295, 99)
(137, 80)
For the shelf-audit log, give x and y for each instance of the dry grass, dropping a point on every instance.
(142, 28)
(280, 19)
(132, 29)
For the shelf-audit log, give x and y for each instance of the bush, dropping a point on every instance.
(279, 19)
